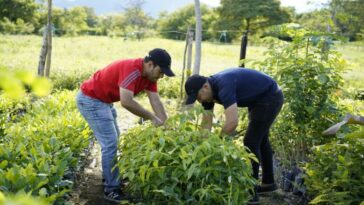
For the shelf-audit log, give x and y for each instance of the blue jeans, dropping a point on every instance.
(101, 118)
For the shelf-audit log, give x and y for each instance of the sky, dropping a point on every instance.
(154, 7)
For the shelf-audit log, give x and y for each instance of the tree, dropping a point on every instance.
(250, 15)
(73, 21)
(175, 24)
(198, 34)
(18, 16)
(135, 18)
(318, 20)
(348, 16)
(13, 10)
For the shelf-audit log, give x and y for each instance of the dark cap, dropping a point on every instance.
(192, 86)
(163, 59)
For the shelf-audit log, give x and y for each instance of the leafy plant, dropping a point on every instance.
(44, 144)
(309, 74)
(335, 171)
(69, 81)
(181, 164)
(20, 199)
(15, 83)
(169, 88)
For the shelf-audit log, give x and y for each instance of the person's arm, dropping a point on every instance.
(207, 120)
(127, 101)
(157, 105)
(231, 119)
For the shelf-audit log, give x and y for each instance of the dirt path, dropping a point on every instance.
(88, 189)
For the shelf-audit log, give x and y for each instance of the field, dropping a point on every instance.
(77, 56)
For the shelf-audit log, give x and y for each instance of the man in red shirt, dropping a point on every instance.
(121, 81)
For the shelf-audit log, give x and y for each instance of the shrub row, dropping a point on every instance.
(39, 147)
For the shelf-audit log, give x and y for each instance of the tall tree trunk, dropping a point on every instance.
(244, 44)
(49, 42)
(196, 69)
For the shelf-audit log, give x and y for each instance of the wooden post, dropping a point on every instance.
(43, 54)
(49, 42)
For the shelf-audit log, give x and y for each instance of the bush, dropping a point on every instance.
(335, 172)
(42, 146)
(309, 74)
(18, 27)
(181, 164)
(15, 83)
(170, 88)
(20, 199)
(69, 81)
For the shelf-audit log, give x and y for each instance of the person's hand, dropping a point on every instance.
(157, 122)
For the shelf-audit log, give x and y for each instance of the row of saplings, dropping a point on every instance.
(180, 163)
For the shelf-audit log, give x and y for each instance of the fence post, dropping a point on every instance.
(184, 63)
(43, 53)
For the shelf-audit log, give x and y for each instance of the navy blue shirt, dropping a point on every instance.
(240, 85)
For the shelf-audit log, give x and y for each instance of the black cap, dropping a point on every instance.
(192, 86)
(163, 59)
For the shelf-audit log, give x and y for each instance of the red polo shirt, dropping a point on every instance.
(104, 84)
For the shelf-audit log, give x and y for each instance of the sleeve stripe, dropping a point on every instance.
(130, 78)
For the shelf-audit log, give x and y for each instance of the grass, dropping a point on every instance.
(94, 52)
(90, 53)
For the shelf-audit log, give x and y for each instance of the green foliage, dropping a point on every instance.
(18, 16)
(335, 171)
(318, 20)
(309, 74)
(69, 81)
(182, 164)
(10, 111)
(174, 25)
(14, 84)
(250, 15)
(20, 199)
(170, 87)
(17, 27)
(72, 22)
(41, 146)
(348, 17)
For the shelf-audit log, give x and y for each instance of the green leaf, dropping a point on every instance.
(43, 192)
(322, 79)
(3, 164)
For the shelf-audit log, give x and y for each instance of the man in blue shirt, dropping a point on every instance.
(242, 87)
